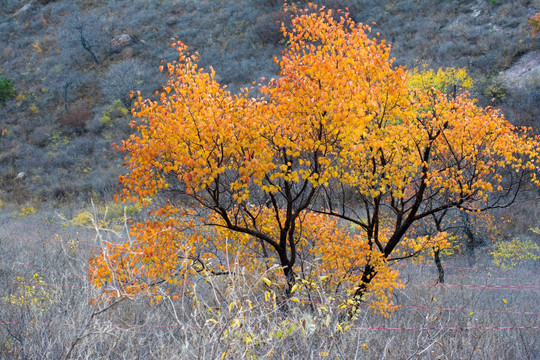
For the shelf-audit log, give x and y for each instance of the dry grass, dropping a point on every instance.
(480, 313)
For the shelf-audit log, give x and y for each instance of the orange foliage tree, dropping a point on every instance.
(322, 175)
(535, 24)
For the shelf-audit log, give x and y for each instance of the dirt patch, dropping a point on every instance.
(525, 72)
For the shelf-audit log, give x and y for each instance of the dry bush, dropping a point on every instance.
(75, 119)
(238, 317)
(268, 26)
(349, 6)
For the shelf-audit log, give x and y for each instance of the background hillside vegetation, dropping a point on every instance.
(66, 71)
(71, 61)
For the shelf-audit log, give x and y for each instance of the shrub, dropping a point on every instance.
(495, 89)
(126, 76)
(26, 210)
(7, 90)
(523, 107)
(84, 32)
(113, 112)
(535, 24)
(75, 119)
(28, 296)
(268, 26)
(510, 254)
(343, 5)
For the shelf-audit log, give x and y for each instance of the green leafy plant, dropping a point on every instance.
(7, 89)
(113, 112)
(27, 295)
(26, 210)
(510, 254)
(496, 90)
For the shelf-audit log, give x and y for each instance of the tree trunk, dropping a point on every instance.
(86, 46)
(66, 86)
(288, 271)
(369, 274)
(439, 265)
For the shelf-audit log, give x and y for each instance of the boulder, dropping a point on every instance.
(525, 72)
(121, 41)
(8, 53)
(23, 13)
(127, 53)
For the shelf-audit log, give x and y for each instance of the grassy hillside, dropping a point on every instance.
(73, 64)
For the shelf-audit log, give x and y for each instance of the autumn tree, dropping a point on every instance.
(467, 230)
(324, 174)
(535, 24)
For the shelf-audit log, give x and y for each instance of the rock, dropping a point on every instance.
(24, 9)
(8, 53)
(23, 12)
(121, 41)
(127, 53)
(525, 72)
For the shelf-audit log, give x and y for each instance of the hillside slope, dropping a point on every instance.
(74, 62)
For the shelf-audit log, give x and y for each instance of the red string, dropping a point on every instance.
(355, 328)
(26, 265)
(491, 287)
(469, 310)
(450, 328)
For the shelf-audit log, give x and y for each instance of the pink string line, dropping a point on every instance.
(490, 287)
(79, 243)
(57, 285)
(469, 310)
(34, 324)
(468, 270)
(463, 268)
(529, 288)
(493, 278)
(25, 265)
(404, 306)
(451, 328)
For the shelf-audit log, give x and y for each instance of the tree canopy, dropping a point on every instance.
(324, 173)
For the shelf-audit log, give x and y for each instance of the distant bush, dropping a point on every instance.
(84, 32)
(26, 210)
(129, 75)
(495, 89)
(535, 24)
(272, 2)
(508, 255)
(344, 5)
(7, 89)
(75, 119)
(268, 26)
